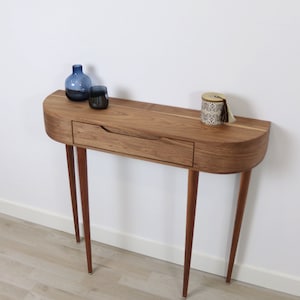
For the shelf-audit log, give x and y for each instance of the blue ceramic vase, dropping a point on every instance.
(78, 84)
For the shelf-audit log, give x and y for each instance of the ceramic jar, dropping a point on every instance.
(214, 109)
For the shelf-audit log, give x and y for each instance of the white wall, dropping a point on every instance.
(169, 52)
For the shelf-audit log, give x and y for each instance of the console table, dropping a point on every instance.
(162, 134)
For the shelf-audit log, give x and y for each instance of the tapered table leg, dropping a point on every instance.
(244, 184)
(72, 182)
(83, 179)
(190, 221)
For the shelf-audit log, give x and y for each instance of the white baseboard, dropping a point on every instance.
(245, 273)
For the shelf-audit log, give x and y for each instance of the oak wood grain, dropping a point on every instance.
(148, 147)
(226, 148)
(164, 134)
(37, 262)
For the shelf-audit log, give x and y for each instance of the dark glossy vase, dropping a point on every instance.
(78, 85)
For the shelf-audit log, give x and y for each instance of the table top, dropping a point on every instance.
(226, 148)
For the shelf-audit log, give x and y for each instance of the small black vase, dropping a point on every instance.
(78, 85)
(98, 97)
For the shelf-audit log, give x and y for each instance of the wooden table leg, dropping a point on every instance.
(72, 182)
(190, 221)
(83, 179)
(244, 184)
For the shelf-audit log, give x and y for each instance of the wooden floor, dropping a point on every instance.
(41, 263)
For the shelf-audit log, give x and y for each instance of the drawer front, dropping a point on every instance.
(133, 143)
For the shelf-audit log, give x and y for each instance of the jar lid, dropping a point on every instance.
(213, 97)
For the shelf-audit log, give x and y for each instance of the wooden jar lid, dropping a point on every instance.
(213, 97)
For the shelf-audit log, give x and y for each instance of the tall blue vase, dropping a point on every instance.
(78, 85)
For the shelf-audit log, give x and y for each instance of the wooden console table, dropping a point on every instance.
(162, 134)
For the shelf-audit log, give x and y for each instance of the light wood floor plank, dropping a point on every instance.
(39, 263)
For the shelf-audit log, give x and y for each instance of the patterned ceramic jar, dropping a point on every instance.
(214, 110)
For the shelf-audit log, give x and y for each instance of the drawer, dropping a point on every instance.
(133, 143)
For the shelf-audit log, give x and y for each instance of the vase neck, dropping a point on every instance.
(77, 69)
